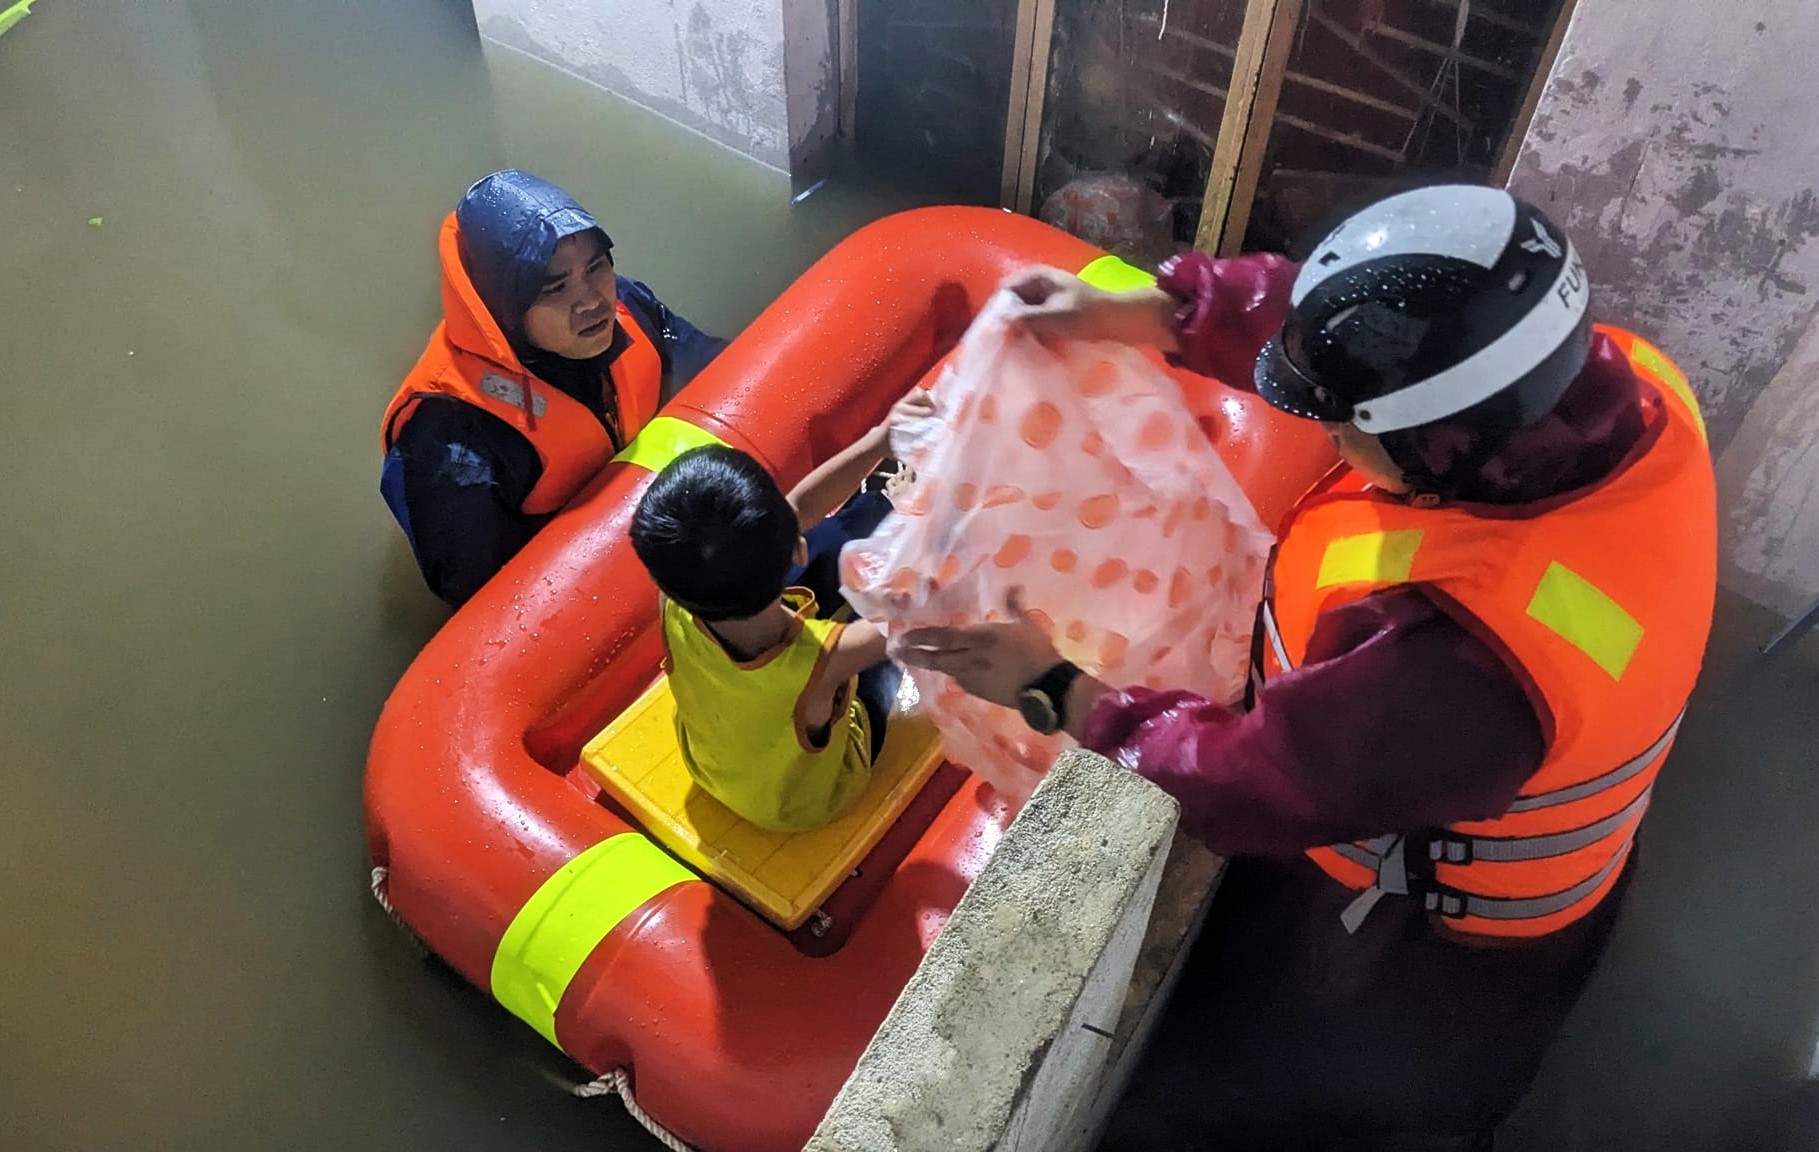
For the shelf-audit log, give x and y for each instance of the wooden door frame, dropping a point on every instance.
(846, 46)
(1031, 46)
(1257, 74)
(1264, 47)
(1544, 67)
(1258, 71)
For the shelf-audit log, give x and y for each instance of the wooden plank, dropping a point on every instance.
(1189, 81)
(1445, 52)
(1163, 110)
(1490, 16)
(1264, 47)
(1348, 139)
(1413, 87)
(848, 40)
(1011, 178)
(1544, 66)
(1344, 93)
(1181, 123)
(1042, 37)
(1193, 39)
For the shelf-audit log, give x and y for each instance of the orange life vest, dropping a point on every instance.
(1602, 605)
(469, 359)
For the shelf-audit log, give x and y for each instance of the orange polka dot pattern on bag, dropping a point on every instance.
(1078, 474)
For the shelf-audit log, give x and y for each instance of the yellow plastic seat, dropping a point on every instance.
(784, 876)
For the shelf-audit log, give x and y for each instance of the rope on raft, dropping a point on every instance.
(615, 1083)
(380, 872)
(618, 1083)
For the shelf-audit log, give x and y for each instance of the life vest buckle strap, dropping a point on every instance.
(1444, 902)
(1444, 849)
(1392, 880)
(1355, 913)
(1450, 850)
(1454, 904)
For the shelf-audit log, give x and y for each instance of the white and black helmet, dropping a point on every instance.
(1452, 303)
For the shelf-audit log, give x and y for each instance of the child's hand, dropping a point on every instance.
(905, 414)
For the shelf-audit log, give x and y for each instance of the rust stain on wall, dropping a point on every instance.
(1677, 143)
(1679, 243)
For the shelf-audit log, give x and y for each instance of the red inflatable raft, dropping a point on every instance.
(494, 846)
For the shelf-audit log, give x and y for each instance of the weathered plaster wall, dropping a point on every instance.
(1769, 477)
(716, 66)
(812, 78)
(1679, 141)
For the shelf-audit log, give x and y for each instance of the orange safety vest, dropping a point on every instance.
(1602, 605)
(469, 358)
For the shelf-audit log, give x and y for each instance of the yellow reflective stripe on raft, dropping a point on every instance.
(18, 12)
(1650, 357)
(1114, 275)
(1371, 558)
(1574, 609)
(664, 439)
(564, 921)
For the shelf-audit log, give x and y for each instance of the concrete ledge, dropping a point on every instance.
(1000, 1039)
(1189, 880)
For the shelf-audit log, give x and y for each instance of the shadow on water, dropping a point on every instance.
(1701, 1019)
(204, 601)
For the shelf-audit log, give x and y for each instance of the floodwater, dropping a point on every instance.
(203, 604)
(217, 223)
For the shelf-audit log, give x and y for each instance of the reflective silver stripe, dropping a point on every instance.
(1555, 844)
(1391, 868)
(512, 392)
(1458, 903)
(1625, 771)
(1367, 853)
(1275, 637)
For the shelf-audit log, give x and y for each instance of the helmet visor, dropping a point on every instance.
(1285, 386)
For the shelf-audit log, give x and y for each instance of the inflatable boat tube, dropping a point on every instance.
(512, 865)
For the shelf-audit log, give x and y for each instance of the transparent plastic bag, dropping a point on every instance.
(1075, 472)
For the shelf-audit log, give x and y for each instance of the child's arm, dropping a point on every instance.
(826, 488)
(858, 646)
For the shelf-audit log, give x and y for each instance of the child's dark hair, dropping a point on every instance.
(716, 533)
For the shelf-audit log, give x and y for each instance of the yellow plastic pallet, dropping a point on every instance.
(785, 876)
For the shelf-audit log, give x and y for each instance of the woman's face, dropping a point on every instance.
(573, 315)
(1367, 457)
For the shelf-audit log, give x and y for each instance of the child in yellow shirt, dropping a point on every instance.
(780, 710)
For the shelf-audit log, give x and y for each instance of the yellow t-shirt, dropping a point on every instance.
(740, 724)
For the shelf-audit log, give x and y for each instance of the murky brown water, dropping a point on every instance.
(203, 603)
(203, 600)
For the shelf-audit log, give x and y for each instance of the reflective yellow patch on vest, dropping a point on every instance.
(664, 439)
(564, 921)
(1648, 356)
(1370, 558)
(1114, 275)
(1574, 609)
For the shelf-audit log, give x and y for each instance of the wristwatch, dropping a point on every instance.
(1043, 702)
